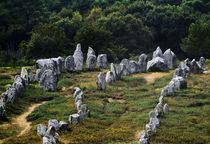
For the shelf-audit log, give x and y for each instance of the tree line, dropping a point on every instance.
(121, 28)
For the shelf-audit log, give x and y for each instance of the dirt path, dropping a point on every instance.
(151, 77)
(22, 122)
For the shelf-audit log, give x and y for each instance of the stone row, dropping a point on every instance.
(178, 82)
(14, 90)
(50, 134)
(49, 69)
(160, 62)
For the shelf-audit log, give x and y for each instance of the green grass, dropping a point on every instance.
(118, 122)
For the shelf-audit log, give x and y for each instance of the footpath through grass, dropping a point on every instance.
(119, 113)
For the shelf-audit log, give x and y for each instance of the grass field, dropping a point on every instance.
(117, 115)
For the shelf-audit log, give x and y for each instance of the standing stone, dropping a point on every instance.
(18, 86)
(91, 59)
(143, 138)
(202, 63)
(41, 130)
(165, 108)
(102, 61)
(109, 77)
(170, 59)
(157, 64)
(24, 75)
(158, 53)
(133, 67)
(143, 62)
(195, 67)
(113, 70)
(54, 123)
(59, 64)
(78, 58)
(126, 63)
(74, 119)
(124, 70)
(63, 126)
(48, 64)
(2, 109)
(69, 63)
(30, 75)
(48, 80)
(101, 81)
(11, 94)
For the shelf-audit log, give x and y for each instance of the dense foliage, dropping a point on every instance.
(44, 28)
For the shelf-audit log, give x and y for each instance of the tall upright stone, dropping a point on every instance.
(102, 61)
(24, 75)
(143, 59)
(69, 63)
(114, 71)
(109, 77)
(91, 59)
(202, 64)
(170, 58)
(158, 53)
(101, 81)
(78, 58)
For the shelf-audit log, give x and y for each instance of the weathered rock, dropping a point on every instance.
(158, 53)
(159, 109)
(78, 58)
(157, 64)
(18, 86)
(24, 75)
(126, 63)
(47, 64)
(114, 71)
(2, 108)
(143, 138)
(19, 79)
(170, 59)
(102, 61)
(202, 64)
(48, 80)
(124, 70)
(41, 130)
(185, 68)
(51, 137)
(109, 77)
(74, 119)
(165, 108)
(133, 67)
(179, 83)
(63, 126)
(142, 63)
(195, 67)
(91, 59)
(59, 64)
(77, 90)
(101, 81)
(30, 75)
(79, 96)
(78, 105)
(11, 94)
(69, 63)
(84, 112)
(153, 118)
(54, 123)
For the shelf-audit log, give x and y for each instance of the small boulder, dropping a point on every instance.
(41, 130)
(74, 118)
(109, 77)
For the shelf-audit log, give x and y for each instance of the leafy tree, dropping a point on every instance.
(197, 43)
(47, 40)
